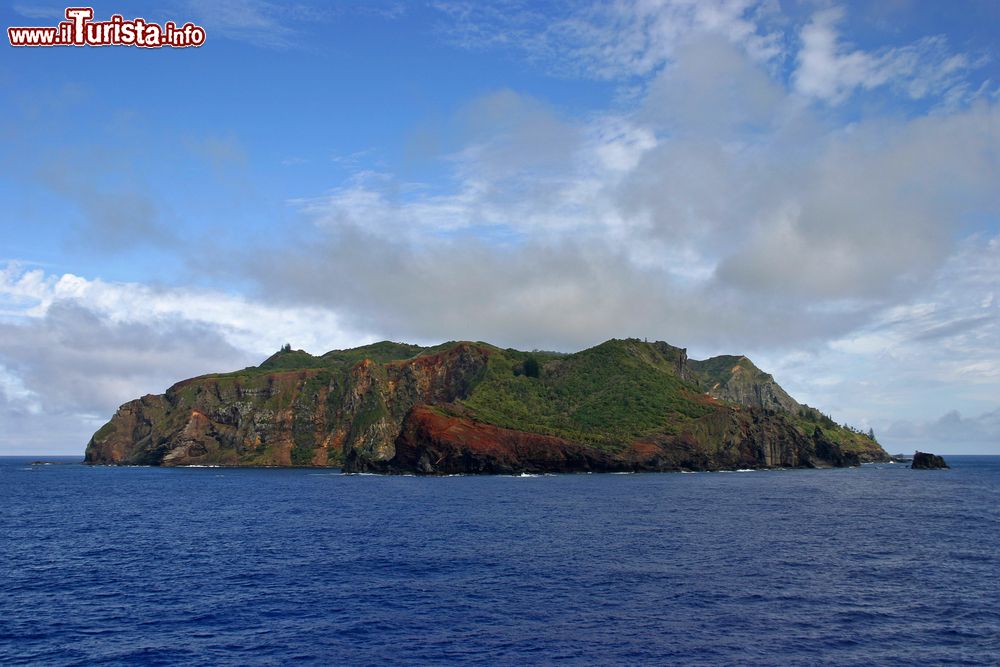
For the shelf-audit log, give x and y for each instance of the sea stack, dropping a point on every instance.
(927, 461)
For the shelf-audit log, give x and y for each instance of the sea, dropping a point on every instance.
(875, 565)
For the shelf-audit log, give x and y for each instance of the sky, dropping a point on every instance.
(813, 184)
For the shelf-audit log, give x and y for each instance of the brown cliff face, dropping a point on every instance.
(469, 408)
(212, 422)
(441, 441)
(728, 439)
(305, 417)
(128, 432)
(736, 379)
(434, 442)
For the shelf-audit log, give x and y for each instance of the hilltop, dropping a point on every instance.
(471, 407)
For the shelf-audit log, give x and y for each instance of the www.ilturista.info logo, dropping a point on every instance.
(79, 29)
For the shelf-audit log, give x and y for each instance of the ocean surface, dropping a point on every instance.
(877, 565)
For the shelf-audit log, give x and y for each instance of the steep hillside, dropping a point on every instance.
(473, 407)
(736, 379)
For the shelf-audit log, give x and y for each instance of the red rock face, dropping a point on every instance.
(432, 442)
(118, 440)
(285, 418)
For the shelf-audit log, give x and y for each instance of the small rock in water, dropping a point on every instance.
(927, 461)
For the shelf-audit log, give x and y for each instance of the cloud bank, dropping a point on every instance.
(72, 350)
(724, 202)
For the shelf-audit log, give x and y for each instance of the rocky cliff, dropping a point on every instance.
(738, 380)
(475, 408)
(928, 461)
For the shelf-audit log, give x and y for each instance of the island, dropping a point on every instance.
(474, 408)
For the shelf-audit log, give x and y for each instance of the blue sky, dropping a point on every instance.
(814, 184)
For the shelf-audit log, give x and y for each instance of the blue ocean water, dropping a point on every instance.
(878, 565)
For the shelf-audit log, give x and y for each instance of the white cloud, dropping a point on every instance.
(701, 222)
(831, 70)
(73, 361)
(73, 349)
(614, 40)
(949, 334)
(636, 39)
(949, 433)
(14, 394)
(255, 327)
(937, 352)
(519, 169)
